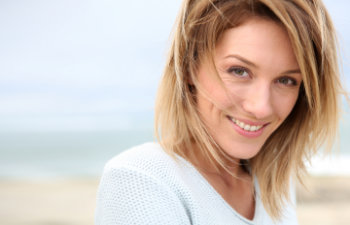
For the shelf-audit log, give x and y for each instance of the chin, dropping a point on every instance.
(245, 152)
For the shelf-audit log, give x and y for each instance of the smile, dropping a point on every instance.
(246, 127)
(248, 130)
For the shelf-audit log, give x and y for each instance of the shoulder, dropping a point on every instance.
(145, 157)
(141, 152)
(147, 160)
(137, 187)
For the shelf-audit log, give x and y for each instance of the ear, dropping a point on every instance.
(190, 84)
(192, 88)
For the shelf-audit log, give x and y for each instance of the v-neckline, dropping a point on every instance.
(219, 196)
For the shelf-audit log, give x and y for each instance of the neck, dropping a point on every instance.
(234, 184)
(207, 165)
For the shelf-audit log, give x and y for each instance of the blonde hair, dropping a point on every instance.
(313, 120)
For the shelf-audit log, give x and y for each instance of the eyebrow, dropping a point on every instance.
(246, 61)
(292, 71)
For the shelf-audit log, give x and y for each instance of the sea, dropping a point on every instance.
(55, 154)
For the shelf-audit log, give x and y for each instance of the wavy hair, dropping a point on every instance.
(314, 118)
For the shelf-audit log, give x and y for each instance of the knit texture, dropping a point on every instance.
(144, 185)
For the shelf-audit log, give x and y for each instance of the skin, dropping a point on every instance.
(258, 83)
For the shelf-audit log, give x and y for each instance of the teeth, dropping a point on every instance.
(246, 127)
(253, 128)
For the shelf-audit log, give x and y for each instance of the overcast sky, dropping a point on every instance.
(85, 65)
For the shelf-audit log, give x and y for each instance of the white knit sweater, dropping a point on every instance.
(144, 185)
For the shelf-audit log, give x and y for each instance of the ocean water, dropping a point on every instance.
(61, 154)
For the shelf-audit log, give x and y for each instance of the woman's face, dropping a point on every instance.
(257, 87)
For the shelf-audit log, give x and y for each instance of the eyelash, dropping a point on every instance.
(291, 81)
(237, 71)
(234, 71)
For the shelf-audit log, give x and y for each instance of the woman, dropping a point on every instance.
(250, 91)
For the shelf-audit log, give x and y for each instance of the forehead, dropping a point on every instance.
(262, 41)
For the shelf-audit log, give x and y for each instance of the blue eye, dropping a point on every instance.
(238, 71)
(287, 81)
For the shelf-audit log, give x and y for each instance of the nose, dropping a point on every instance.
(258, 102)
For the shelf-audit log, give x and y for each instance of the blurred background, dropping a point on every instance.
(78, 80)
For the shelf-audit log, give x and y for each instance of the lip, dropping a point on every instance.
(251, 123)
(249, 134)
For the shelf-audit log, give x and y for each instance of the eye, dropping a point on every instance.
(288, 81)
(238, 71)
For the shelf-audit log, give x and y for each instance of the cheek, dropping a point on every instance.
(285, 105)
(213, 103)
(213, 96)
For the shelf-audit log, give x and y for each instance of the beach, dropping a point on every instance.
(48, 202)
(326, 202)
(72, 201)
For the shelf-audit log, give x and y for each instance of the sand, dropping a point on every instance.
(49, 202)
(72, 202)
(327, 201)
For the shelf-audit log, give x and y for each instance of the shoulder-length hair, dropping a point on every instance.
(314, 118)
